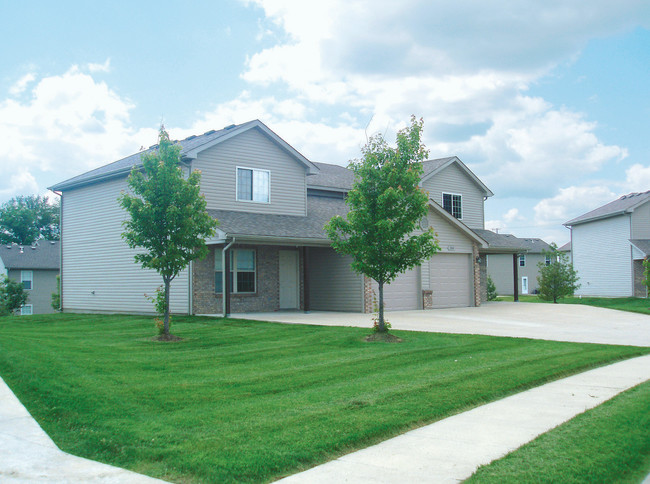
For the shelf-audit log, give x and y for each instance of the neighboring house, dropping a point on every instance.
(499, 266)
(608, 246)
(271, 203)
(566, 249)
(36, 266)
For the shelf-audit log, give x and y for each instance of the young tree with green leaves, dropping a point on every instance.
(25, 219)
(558, 279)
(386, 205)
(646, 272)
(168, 216)
(12, 296)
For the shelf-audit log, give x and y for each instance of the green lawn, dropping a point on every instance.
(610, 443)
(253, 401)
(632, 304)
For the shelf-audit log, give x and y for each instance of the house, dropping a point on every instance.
(499, 266)
(271, 203)
(608, 245)
(36, 266)
(565, 249)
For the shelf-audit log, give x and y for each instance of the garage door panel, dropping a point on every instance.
(450, 280)
(403, 293)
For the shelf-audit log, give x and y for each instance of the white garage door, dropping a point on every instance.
(451, 283)
(403, 293)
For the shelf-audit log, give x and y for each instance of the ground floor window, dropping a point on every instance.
(242, 274)
(26, 310)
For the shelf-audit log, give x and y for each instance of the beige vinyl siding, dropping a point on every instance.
(252, 149)
(403, 293)
(500, 270)
(453, 179)
(451, 280)
(99, 273)
(43, 285)
(333, 285)
(641, 222)
(602, 256)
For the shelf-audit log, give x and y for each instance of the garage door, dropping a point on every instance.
(450, 280)
(403, 293)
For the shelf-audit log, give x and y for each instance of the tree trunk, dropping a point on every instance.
(166, 320)
(382, 324)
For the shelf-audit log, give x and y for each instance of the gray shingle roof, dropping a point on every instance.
(331, 176)
(535, 246)
(431, 165)
(642, 244)
(565, 248)
(44, 254)
(622, 205)
(505, 242)
(320, 210)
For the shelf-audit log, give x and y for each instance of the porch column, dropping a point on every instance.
(515, 274)
(226, 283)
(305, 279)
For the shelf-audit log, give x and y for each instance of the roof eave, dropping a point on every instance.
(457, 223)
(455, 159)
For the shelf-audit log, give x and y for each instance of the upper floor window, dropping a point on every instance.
(27, 278)
(253, 185)
(453, 204)
(522, 260)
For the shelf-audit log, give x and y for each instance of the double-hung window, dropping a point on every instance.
(27, 278)
(242, 272)
(548, 260)
(253, 185)
(452, 203)
(522, 260)
(27, 310)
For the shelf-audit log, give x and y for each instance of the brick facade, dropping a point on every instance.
(368, 296)
(267, 295)
(639, 289)
(480, 284)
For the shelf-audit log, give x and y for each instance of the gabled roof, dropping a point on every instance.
(44, 254)
(535, 246)
(431, 167)
(626, 204)
(565, 248)
(642, 244)
(501, 243)
(190, 148)
(331, 177)
(471, 234)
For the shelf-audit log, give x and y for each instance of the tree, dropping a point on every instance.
(55, 299)
(12, 296)
(168, 215)
(386, 205)
(25, 219)
(558, 279)
(491, 289)
(646, 272)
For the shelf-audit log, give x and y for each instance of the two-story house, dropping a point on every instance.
(608, 245)
(270, 251)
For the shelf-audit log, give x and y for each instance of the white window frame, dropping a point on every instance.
(234, 271)
(27, 313)
(452, 195)
(253, 170)
(29, 279)
(522, 260)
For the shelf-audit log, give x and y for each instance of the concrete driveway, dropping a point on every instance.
(559, 322)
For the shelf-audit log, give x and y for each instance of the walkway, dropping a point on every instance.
(451, 450)
(28, 455)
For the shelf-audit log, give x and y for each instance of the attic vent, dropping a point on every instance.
(9, 246)
(210, 132)
(230, 126)
(52, 242)
(21, 250)
(190, 137)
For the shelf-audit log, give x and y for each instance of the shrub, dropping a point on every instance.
(491, 289)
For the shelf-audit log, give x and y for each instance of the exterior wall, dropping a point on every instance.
(43, 285)
(483, 278)
(333, 285)
(602, 257)
(640, 290)
(500, 270)
(479, 289)
(252, 149)
(453, 179)
(98, 271)
(266, 297)
(641, 222)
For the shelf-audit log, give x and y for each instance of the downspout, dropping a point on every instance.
(224, 275)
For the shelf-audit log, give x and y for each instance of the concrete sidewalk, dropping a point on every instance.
(28, 455)
(451, 450)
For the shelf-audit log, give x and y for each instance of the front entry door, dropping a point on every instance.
(289, 279)
(524, 285)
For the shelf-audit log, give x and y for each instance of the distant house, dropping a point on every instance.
(566, 249)
(500, 266)
(608, 245)
(36, 266)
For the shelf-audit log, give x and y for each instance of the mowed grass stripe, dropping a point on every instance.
(252, 401)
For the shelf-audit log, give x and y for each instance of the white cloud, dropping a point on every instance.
(70, 123)
(21, 84)
(571, 202)
(637, 178)
(105, 67)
